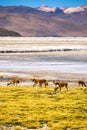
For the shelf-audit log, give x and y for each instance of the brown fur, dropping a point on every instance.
(81, 82)
(14, 82)
(59, 85)
(40, 82)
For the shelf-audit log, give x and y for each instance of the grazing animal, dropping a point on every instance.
(59, 85)
(15, 81)
(56, 82)
(40, 82)
(81, 82)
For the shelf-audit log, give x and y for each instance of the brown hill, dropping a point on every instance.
(4, 32)
(30, 22)
(35, 25)
(21, 10)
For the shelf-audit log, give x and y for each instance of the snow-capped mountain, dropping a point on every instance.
(50, 9)
(66, 10)
(46, 8)
(76, 9)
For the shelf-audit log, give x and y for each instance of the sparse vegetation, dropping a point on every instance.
(30, 107)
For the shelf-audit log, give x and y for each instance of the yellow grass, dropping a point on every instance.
(30, 107)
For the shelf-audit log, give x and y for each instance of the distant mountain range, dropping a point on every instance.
(44, 21)
(66, 10)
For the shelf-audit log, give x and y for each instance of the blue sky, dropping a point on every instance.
(37, 3)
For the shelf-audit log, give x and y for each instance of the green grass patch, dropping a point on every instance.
(30, 107)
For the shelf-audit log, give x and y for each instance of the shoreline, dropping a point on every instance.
(76, 55)
(48, 75)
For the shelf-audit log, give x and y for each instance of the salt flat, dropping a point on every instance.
(45, 64)
(45, 40)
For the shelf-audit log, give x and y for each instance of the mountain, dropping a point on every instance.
(17, 9)
(74, 10)
(44, 21)
(4, 32)
(46, 8)
(50, 9)
(21, 10)
(78, 17)
(78, 14)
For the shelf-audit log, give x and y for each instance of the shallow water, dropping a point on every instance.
(25, 63)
